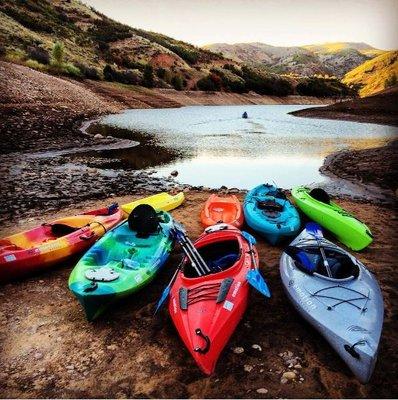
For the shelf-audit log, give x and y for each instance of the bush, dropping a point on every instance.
(88, 72)
(148, 76)
(39, 54)
(390, 81)
(71, 70)
(178, 82)
(161, 73)
(2, 50)
(127, 76)
(209, 83)
(15, 55)
(324, 87)
(35, 65)
(57, 54)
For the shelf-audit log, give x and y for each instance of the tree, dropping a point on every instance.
(58, 53)
(148, 76)
(177, 82)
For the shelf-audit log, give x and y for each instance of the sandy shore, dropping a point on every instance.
(49, 350)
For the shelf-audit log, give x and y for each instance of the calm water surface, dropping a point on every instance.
(214, 146)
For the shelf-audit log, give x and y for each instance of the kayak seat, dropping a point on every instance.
(341, 265)
(269, 205)
(59, 229)
(219, 256)
(320, 195)
(144, 220)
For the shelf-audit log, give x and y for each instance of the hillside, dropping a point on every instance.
(29, 29)
(375, 75)
(330, 58)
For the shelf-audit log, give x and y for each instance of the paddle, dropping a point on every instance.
(253, 276)
(166, 290)
(315, 230)
(298, 254)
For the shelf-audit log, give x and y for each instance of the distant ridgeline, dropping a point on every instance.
(69, 38)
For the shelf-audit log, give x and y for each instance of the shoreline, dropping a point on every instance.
(59, 161)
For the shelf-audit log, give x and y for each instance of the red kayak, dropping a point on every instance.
(207, 309)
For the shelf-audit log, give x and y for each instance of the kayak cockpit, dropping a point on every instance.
(218, 256)
(341, 265)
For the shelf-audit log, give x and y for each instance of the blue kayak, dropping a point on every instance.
(268, 211)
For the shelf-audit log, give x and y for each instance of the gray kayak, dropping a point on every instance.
(347, 308)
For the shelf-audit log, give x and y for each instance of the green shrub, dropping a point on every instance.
(148, 76)
(127, 76)
(15, 55)
(71, 70)
(35, 65)
(161, 73)
(2, 50)
(324, 87)
(209, 83)
(178, 82)
(390, 81)
(88, 72)
(57, 54)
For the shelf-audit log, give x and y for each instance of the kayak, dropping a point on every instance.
(346, 308)
(37, 249)
(122, 262)
(160, 202)
(268, 211)
(222, 209)
(346, 227)
(206, 309)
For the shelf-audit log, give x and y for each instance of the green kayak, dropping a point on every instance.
(317, 206)
(122, 262)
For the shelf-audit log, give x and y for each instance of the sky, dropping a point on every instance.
(275, 22)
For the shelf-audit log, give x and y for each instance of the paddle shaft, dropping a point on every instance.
(325, 260)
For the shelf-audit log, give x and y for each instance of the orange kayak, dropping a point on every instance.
(34, 250)
(222, 209)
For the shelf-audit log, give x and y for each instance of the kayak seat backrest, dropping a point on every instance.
(143, 220)
(58, 230)
(341, 265)
(269, 205)
(320, 195)
(219, 256)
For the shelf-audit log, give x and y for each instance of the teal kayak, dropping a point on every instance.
(269, 212)
(119, 264)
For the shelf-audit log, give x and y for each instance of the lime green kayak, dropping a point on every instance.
(119, 264)
(346, 227)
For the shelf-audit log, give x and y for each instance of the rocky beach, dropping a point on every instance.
(51, 167)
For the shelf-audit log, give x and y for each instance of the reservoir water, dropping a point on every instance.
(214, 146)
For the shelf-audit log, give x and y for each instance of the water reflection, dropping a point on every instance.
(214, 146)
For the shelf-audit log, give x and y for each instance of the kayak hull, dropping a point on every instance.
(160, 202)
(347, 312)
(348, 230)
(38, 249)
(226, 210)
(118, 265)
(214, 303)
(274, 227)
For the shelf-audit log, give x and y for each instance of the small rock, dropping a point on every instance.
(257, 347)
(298, 366)
(38, 355)
(262, 391)
(283, 381)
(174, 173)
(238, 350)
(70, 367)
(301, 379)
(112, 347)
(98, 136)
(248, 368)
(41, 281)
(289, 375)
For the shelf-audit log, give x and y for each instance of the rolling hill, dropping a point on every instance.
(329, 58)
(29, 29)
(375, 75)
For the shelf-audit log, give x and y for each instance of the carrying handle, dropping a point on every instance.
(205, 349)
(87, 236)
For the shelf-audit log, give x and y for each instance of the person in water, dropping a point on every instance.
(244, 115)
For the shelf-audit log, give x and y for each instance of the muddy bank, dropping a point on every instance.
(381, 108)
(377, 166)
(50, 350)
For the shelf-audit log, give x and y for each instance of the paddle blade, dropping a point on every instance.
(257, 281)
(162, 299)
(251, 239)
(300, 256)
(314, 229)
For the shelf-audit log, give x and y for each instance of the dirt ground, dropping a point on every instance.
(48, 349)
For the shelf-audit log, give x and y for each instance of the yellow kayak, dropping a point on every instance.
(160, 202)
